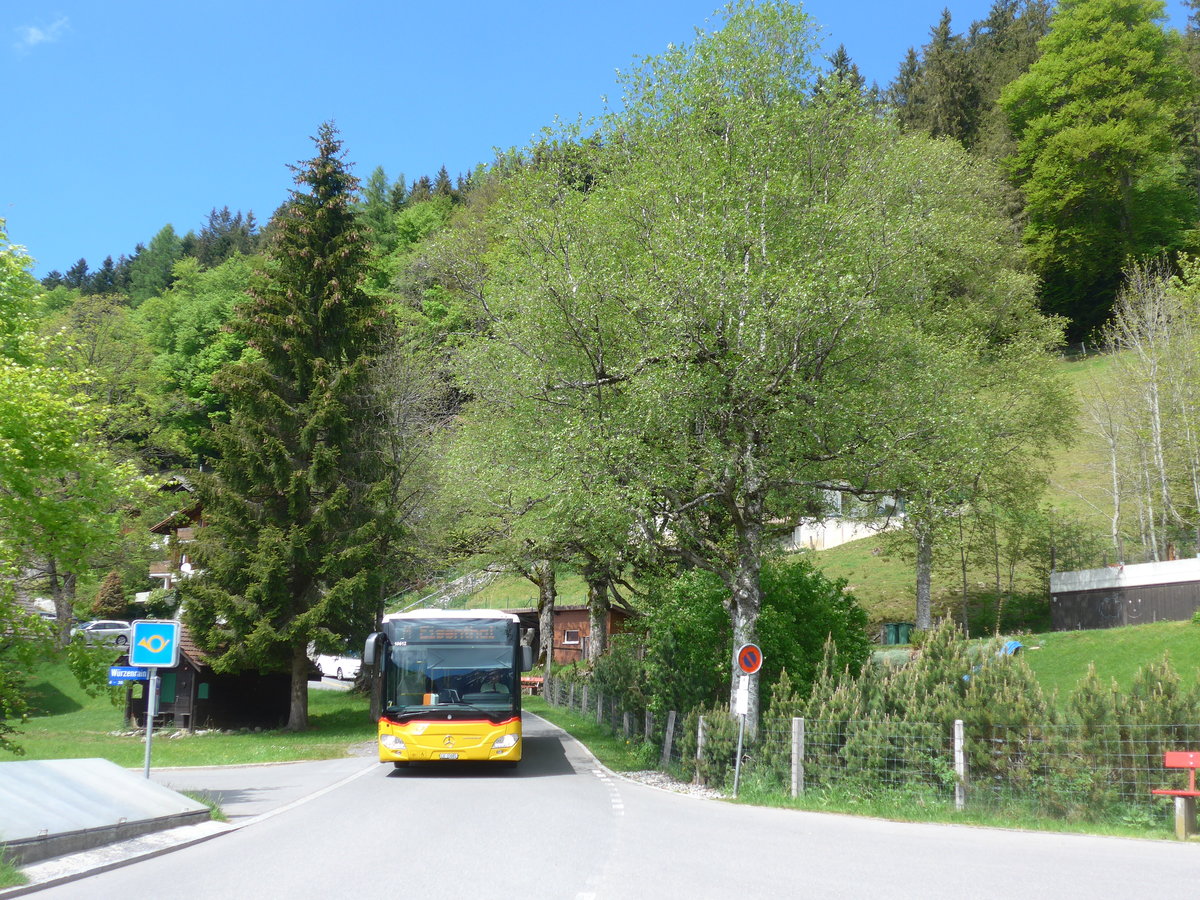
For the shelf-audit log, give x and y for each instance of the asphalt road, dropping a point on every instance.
(559, 826)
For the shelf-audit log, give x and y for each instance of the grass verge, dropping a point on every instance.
(10, 875)
(616, 752)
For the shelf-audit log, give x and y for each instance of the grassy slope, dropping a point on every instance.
(884, 581)
(1117, 653)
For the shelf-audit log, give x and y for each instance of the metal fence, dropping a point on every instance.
(1073, 772)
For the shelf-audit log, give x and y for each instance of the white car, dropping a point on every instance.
(108, 631)
(341, 667)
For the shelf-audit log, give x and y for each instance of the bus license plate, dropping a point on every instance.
(447, 756)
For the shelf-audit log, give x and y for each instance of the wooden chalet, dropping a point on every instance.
(573, 628)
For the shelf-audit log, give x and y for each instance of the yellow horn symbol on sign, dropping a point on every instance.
(155, 643)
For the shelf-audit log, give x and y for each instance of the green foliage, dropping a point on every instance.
(163, 603)
(1098, 122)
(715, 760)
(151, 271)
(110, 602)
(296, 547)
(688, 637)
(619, 673)
(189, 327)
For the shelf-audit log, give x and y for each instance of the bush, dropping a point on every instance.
(162, 603)
(714, 762)
(689, 639)
(110, 602)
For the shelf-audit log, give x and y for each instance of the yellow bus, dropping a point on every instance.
(451, 683)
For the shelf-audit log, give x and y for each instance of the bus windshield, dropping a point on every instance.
(452, 678)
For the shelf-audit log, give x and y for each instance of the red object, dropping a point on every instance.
(1181, 759)
(749, 658)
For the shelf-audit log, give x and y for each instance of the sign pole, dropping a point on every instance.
(151, 712)
(153, 643)
(749, 659)
(737, 767)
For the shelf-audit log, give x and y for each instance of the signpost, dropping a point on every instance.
(153, 643)
(122, 674)
(749, 659)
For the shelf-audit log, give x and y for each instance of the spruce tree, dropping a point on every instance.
(288, 550)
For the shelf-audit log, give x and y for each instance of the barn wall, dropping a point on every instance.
(1116, 606)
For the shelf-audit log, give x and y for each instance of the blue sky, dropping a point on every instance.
(123, 116)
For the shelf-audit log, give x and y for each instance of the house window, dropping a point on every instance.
(571, 636)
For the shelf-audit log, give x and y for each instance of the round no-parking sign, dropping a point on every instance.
(749, 658)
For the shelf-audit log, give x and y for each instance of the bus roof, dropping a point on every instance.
(452, 614)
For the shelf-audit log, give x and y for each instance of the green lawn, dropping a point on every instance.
(67, 724)
(1118, 653)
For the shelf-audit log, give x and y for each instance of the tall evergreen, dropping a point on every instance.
(948, 87)
(289, 547)
(150, 271)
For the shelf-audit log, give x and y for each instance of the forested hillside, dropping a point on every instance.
(640, 348)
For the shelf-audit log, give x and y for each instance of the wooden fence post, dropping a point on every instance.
(599, 707)
(699, 747)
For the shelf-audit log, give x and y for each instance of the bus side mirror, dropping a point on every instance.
(526, 657)
(372, 650)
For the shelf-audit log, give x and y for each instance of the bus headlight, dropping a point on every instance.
(391, 742)
(503, 743)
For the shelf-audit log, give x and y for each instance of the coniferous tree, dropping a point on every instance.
(225, 234)
(442, 186)
(290, 544)
(948, 90)
(104, 279)
(150, 271)
(77, 275)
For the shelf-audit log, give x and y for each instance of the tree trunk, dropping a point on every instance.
(746, 604)
(62, 592)
(746, 594)
(298, 711)
(547, 593)
(924, 535)
(598, 606)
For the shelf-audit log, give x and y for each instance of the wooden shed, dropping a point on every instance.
(1125, 595)
(573, 628)
(193, 696)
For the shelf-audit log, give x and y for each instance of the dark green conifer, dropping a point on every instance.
(291, 529)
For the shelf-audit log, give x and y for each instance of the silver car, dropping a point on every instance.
(109, 631)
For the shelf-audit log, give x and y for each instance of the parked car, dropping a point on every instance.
(109, 631)
(341, 666)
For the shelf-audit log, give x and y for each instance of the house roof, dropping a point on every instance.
(177, 519)
(1176, 571)
(188, 646)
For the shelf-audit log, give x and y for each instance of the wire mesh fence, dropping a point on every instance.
(1073, 772)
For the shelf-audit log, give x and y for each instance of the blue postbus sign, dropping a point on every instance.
(154, 643)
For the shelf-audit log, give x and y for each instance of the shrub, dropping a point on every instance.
(110, 602)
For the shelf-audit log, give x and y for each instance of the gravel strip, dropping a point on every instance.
(665, 782)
